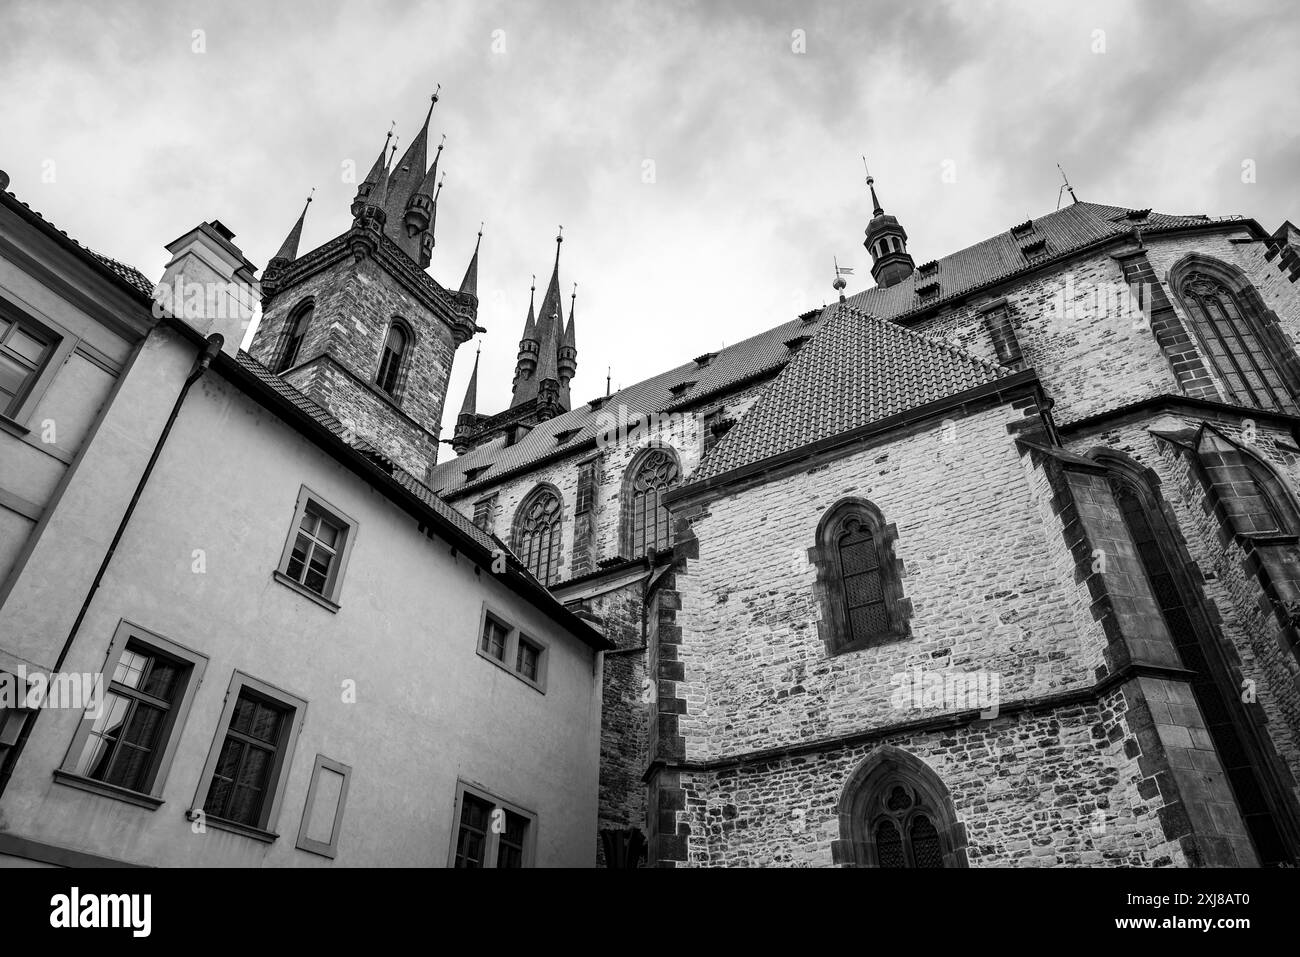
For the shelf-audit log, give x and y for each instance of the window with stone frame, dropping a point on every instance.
(858, 579)
(294, 332)
(392, 363)
(24, 350)
(586, 497)
(485, 512)
(895, 812)
(1232, 331)
(537, 528)
(647, 523)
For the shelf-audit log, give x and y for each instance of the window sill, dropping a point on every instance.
(221, 824)
(536, 686)
(13, 427)
(306, 592)
(872, 641)
(147, 801)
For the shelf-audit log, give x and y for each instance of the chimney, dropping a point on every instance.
(210, 285)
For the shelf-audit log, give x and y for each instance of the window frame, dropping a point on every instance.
(301, 314)
(554, 559)
(631, 502)
(403, 359)
(62, 344)
(328, 849)
(128, 633)
(278, 778)
(510, 652)
(835, 625)
(328, 599)
(463, 788)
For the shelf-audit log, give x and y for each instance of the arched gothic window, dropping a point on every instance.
(537, 533)
(1266, 808)
(1228, 321)
(896, 812)
(646, 521)
(390, 366)
(858, 578)
(294, 331)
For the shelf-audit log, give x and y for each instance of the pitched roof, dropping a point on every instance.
(858, 370)
(759, 355)
(1074, 227)
(1066, 230)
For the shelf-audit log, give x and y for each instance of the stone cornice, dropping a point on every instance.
(458, 310)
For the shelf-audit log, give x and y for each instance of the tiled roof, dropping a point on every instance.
(858, 370)
(766, 352)
(1068, 229)
(1063, 231)
(128, 274)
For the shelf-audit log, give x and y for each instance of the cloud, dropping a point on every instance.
(553, 109)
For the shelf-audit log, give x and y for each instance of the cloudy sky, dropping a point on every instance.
(704, 158)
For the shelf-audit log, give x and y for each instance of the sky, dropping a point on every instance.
(703, 158)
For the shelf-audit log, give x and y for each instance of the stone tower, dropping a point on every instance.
(360, 326)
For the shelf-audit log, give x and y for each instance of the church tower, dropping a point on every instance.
(887, 242)
(548, 352)
(359, 325)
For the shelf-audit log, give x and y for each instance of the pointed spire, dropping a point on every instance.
(289, 248)
(367, 187)
(470, 405)
(408, 173)
(570, 337)
(530, 324)
(877, 210)
(470, 283)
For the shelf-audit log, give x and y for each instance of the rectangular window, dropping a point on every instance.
(243, 772)
(586, 497)
(528, 659)
(484, 511)
(489, 832)
(506, 647)
(243, 782)
(495, 635)
(126, 740)
(23, 352)
(316, 552)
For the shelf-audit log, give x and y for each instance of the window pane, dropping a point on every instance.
(130, 668)
(925, 843)
(26, 345)
(526, 660)
(162, 679)
(889, 845)
(318, 570)
(471, 840)
(13, 375)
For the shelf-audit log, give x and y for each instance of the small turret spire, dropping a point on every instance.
(877, 210)
(470, 405)
(887, 242)
(470, 283)
(289, 248)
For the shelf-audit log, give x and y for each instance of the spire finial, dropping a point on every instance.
(574, 297)
(871, 185)
(840, 272)
(608, 371)
(533, 286)
(1065, 186)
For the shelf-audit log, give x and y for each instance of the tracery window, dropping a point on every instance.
(537, 533)
(1232, 333)
(648, 521)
